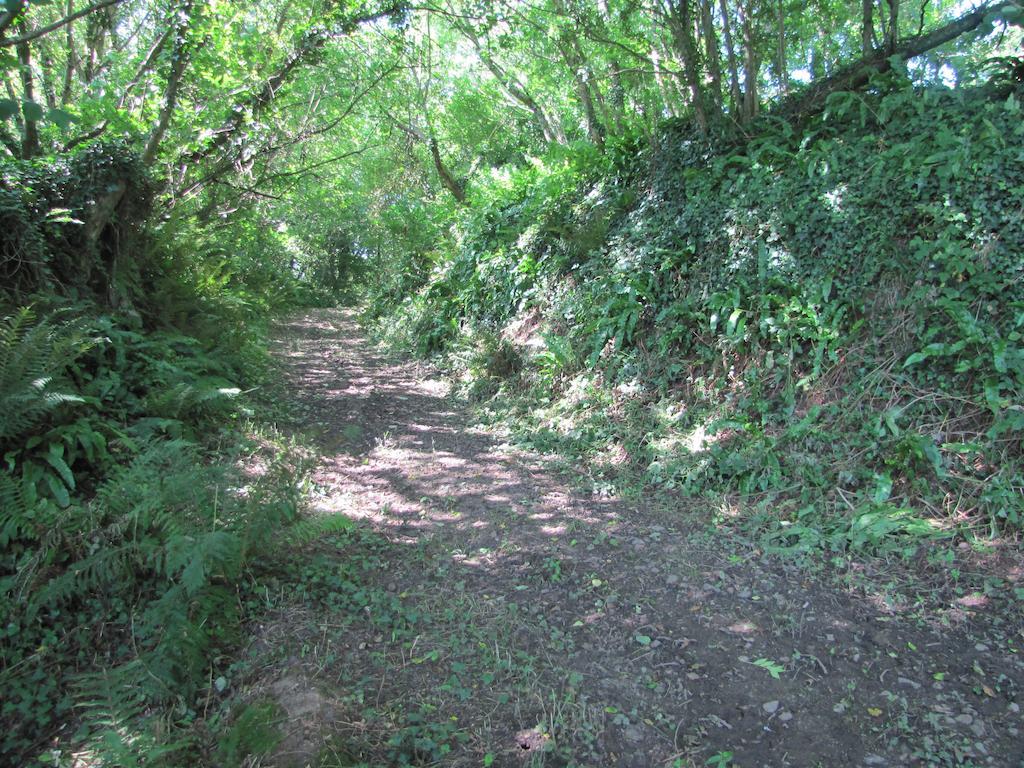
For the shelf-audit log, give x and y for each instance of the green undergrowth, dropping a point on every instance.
(141, 491)
(821, 325)
(145, 484)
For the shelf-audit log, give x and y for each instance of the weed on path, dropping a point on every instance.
(478, 611)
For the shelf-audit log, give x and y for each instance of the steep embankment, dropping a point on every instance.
(821, 323)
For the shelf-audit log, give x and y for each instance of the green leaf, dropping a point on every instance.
(643, 639)
(770, 667)
(194, 575)
(826, 288)
(8, 108)
(55, 458)
(999, 356)
(734, 318)
(32, 111)
(883, 488)
(890, 420)
(59, 491)
(12, 5)
(60, 118)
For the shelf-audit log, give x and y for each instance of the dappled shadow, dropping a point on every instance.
(396, 450)
(645, 640)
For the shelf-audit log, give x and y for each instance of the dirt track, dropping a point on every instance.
(481, 612)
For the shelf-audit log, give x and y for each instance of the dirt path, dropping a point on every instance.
(481, 613)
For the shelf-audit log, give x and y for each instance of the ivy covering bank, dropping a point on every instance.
(693, 245)
(823, 323)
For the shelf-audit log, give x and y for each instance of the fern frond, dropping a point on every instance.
(312, 528)
(33, 355)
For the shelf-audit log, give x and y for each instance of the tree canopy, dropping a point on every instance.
(765, 253)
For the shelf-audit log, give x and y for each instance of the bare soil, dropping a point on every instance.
(483, 611)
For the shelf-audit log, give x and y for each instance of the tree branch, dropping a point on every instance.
(858, 74)
(28, 36)
(259, 100)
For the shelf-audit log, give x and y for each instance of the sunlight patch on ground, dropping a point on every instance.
(433, 387)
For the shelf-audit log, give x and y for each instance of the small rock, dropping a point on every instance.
(981, 647)
(744, 594)
(978, 729)
(634, 734)
(964, 719)
(980, 748)
(671, 579)
(1014, 707)
(785, 717)
(839, 708)
(875, 760)
(907, 681)
(770, 706)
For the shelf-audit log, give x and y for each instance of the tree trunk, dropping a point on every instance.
(179, 60)
(30, 134)
(72, 60)
(47, 70)
(618, 89)
(711, 53)
(735, 98)
(145, 66)
(892, 33)
(781, 69)
(667, 101)
(751, 65)
(866, 28)
(450, 182)
(859, 73)
(681, 26)
(516, 90)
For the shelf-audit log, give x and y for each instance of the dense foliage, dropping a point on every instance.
(702, 246)
(824, 324)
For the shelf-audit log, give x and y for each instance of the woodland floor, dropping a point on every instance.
(483, 611)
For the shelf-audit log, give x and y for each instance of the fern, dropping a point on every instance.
(113, 705)
(305, 531)
(34, 354)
